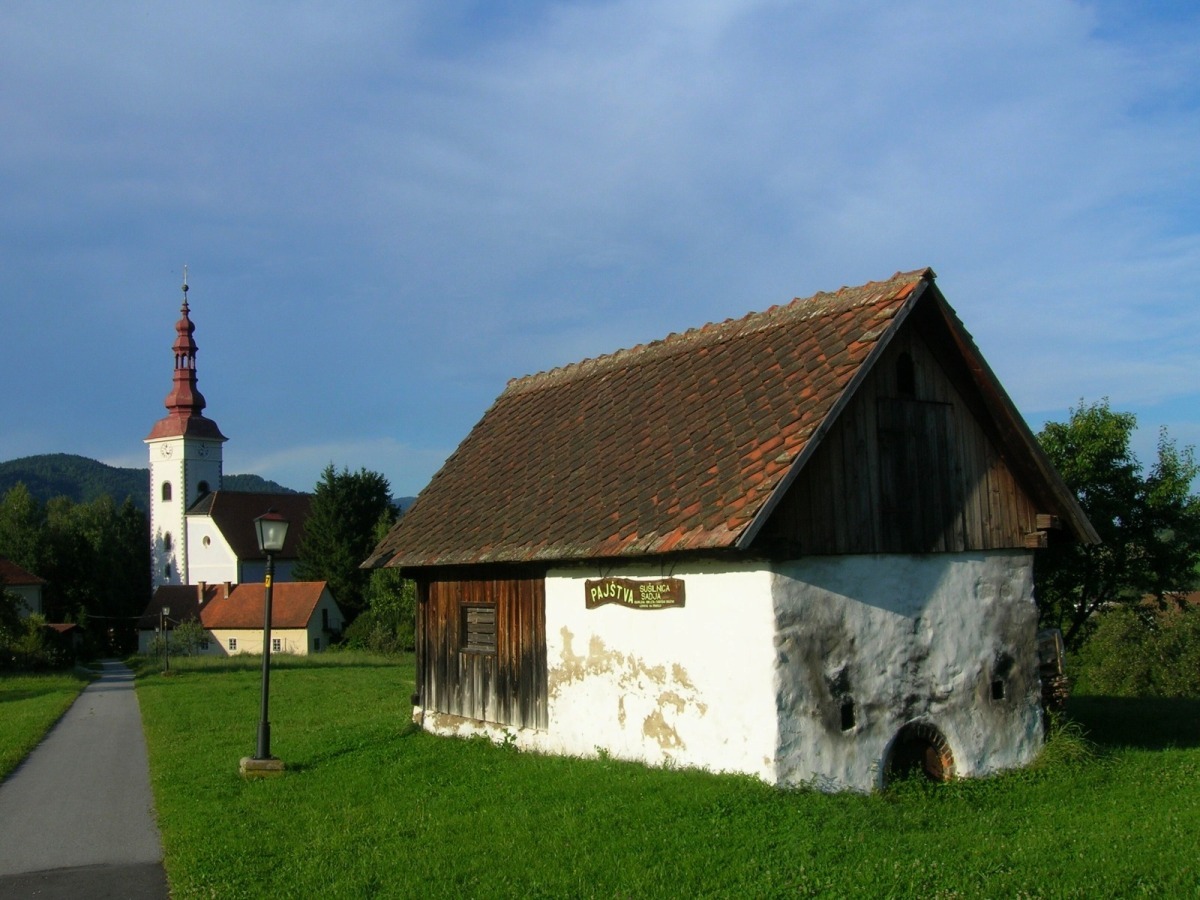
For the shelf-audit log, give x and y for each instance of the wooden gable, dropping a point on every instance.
(915, 463)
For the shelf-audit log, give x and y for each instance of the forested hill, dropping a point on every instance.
(81, 479)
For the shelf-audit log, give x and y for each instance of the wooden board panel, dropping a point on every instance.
(923, 475)
(460, 673)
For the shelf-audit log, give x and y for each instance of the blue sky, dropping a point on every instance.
(389, 209)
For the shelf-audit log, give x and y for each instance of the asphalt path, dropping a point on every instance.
(77, 816)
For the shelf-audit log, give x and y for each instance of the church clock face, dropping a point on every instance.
(166, 450)
(203, 451)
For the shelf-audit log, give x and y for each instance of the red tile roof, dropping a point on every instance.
(234, 513)
(14, 576)
(292, 605)
(182, 602)
(675, 445)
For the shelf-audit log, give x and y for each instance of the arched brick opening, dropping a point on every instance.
(919, 748)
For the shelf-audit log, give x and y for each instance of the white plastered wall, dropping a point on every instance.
(31, 598)
(210, 558)
(691, 686)
(750, 675)
(907, 639)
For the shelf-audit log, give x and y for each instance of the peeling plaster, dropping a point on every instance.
(631, 671)
(633, 677)
(645, 687)
(658, 729)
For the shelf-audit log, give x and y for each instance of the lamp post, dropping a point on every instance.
(162, 626)
(271, 529)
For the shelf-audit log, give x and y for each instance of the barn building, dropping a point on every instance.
(797, 545)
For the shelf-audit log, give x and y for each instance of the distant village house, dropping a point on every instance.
(304, 617)
(23, 584)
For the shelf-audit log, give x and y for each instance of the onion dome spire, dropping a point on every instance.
(185, 404)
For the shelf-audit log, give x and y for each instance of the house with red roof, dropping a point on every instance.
(19, 581)
(304, 616)
(798, 545)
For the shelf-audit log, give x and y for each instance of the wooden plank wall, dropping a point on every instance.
(909, 467)
(507, 687)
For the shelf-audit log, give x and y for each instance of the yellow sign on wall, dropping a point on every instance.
(658, 593)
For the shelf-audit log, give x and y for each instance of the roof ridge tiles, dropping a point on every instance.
(798, 309)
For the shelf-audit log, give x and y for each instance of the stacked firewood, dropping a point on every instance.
(1056, 688)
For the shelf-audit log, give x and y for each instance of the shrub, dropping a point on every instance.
(388, 625)
(1142, 652)
(380, 631)
(27, 648)
(187, 637)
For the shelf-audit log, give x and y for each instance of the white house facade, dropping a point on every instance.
(23, 584)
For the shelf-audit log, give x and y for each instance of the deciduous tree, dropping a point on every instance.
(95, 557)
(1148, 522)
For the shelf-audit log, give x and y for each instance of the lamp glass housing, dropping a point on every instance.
(271, 529)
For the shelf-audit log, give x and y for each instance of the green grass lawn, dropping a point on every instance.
(372, 807)
(29, 706)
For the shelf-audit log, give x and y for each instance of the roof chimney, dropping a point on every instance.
(228, 588)
(201, 587)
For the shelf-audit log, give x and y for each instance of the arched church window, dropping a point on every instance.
(167, 541)
(202, 487)
(166, 491)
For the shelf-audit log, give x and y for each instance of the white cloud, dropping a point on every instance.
(417, 201)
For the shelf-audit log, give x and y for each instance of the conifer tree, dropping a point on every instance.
(339, 533)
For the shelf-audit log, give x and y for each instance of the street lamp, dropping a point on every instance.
(271, 529)
(162, 626)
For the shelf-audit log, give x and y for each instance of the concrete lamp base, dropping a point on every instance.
(260, 768)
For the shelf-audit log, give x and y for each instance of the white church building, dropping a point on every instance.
(201, 534)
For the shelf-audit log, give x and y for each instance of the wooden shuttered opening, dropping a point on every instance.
(483, 647)
(478, 629)
(920, 477)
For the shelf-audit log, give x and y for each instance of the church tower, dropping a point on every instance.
(185, 459)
